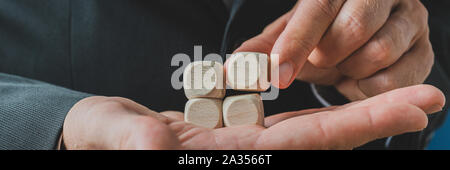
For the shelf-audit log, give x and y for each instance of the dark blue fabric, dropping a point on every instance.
(32, 112)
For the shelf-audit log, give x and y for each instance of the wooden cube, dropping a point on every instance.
(243, 110)
(204, 79)
(248, 71)
(204, 112)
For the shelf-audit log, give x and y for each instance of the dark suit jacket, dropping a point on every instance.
(54, 53)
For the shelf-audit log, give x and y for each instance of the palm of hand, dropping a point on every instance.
(342, 127)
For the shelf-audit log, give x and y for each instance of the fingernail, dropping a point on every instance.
(286, 71)
(434, 109)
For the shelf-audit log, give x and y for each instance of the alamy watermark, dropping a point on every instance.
(209, 79)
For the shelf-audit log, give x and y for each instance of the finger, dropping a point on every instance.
(301, 35)
(357, 21)
(400, 32)
(426, 97)
(350, 89)
(272, 120)
(174, 115)
(312, 74)
(413, 68)
(344, 129)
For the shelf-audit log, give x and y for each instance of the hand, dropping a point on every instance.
(112, 123)
(363, 47)
(115, 123)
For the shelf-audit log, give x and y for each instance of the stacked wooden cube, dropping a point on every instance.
(205, 88)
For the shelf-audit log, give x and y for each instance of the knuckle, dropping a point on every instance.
(307, 43)
(296, 43)
(323, 131)
(418, 7)
(423, 10)
(421, 17)
(430, 58)
(424, 20)
(381, 51)
(400, 26)
(387, 83)
(378, 84)
(402, 23)
(418, 13)
(371, 121)
(356, 25)
(322, 62)
(429, 53)
(330, 8)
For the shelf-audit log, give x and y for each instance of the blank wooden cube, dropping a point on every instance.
(243, 110)
(204, 112)
(204, 79)
(248, 71)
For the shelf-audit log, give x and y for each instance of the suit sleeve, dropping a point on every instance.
(32, 113)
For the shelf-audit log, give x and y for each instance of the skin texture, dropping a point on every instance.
(365, 48)
(362, 47)
(118, 123)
